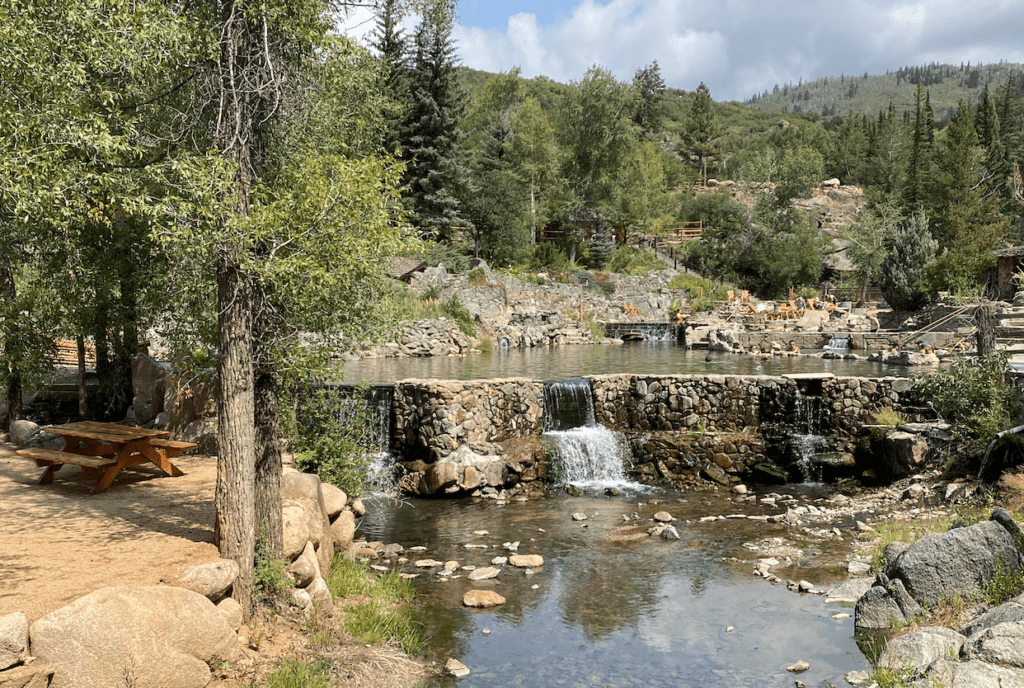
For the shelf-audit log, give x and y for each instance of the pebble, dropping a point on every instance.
(579, 516)
(499, 561)
(419, 548)
(534, 587)
(375, 567)
(663, 517)
(729, 629)
(472, 546)
(483, 574)
(427, 563)
(486, 631)
(456, 668)
(481, 532)
(840, 616)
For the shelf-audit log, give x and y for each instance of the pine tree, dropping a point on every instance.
(391, 44)
(920, 154)
(702, 131)
(651, 87)
(434, 169)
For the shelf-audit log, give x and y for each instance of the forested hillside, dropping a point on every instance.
(856, 94)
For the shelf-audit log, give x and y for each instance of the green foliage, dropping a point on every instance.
(974, 395)
(383, 614)
(334, 436)
(702, 132)
(549, 256)
(455, 310)
(269, 576)
(451, 256)
(1004, 586)
(627, 260)
(597, 329)
(296, 673)
(910, 248)
(703, 294)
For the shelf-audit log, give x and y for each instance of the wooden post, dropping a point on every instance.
(984, 317)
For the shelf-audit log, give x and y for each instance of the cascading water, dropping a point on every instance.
(654, 332)
(838, 345)
(805, 438)
(588, 453)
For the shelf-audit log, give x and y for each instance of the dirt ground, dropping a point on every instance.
(58, 543)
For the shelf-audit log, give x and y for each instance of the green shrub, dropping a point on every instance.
(269, 576)
(703, 293)
(454, 310)
(903, 276)
(628, 260)
(597, 329)
(334, 437)
(1004, 586)
(974, 395)
(548, 256)
(453, 258)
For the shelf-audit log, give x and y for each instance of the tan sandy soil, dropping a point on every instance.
(58, 542)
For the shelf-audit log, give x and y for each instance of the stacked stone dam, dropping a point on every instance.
(722, 427)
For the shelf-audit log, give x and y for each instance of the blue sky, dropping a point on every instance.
(737, 47)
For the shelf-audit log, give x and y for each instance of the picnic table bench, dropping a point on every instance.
(101, 450)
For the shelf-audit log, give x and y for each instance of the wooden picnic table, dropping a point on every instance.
(103, 449)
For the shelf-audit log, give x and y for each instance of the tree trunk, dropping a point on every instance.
(235, 531)
(984, 316)
(533, 212)
(83, 392)
(268, 436)
(14, 378)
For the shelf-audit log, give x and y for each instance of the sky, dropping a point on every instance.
(736, 47)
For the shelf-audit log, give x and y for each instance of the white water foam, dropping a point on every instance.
(591, 456)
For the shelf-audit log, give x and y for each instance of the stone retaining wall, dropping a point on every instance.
(678, 425)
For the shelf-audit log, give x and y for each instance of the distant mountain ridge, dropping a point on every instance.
(866, 94)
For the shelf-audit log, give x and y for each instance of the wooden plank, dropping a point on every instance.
(52, 456)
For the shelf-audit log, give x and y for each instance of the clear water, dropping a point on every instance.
(563, 362)
(612, 606)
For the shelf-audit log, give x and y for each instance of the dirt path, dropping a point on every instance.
(58, 542)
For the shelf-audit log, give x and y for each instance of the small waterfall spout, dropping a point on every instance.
(806, 441)
(838, 345)
(588, 453)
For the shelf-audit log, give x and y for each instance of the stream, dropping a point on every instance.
(613, 606)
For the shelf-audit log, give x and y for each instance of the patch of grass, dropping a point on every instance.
(476, 278)
(628, 260)
(269, 576)
(597, 329)
(703, 294)
(376, 607)
(888, 416)
(294, 673)
(485, 344)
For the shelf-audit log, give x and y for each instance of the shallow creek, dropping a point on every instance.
(613, 606)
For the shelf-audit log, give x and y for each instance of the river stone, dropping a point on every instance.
(1009, 611)
(305, 568)
(1000, 644)
(427, 563)
(438, 477)
(848, 592)
(579, 516)
(358, 508)
(482, 598)
(483, 574)
(717, 474)
(456, 668)
(957, 561)
(972, 674)
(663, 517)
(798, 667)
(669, 533)
(231, 610)
(876, 609)
(343, 530)
(526, 560)
(162, 636)
(335, 499)
(13, 639)
(902, 453)
(919, 649)
(212, 580)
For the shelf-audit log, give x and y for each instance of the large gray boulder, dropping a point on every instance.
(903, 453)
(1000, 644)
(877, 609)
(154, 637)
(148, 382)
(13, 639)
(958, 561)
(1010, 611)
(919, 649)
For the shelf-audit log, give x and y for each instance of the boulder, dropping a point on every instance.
(358, 508)
(439, 476)
(20, 431)
(158, 637)
(148, 382)
(335, 499)
(13, 639)
(848, 592)
(305, 568)
(343, 530)
(184, 404)
(999, 644)
(482, 599)
(231, 610)
(524, 561)
(903, 453)
(320, 595)
(212, 580)
(325, 555)
(295, 527)
(1009, 611)
(919, 649)
(957, 561)
(971, 674)
(877, 609)
(204, 433)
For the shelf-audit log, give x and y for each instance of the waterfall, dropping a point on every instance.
(838, 344)
(588, 453)
(655, 332)
(805, 439)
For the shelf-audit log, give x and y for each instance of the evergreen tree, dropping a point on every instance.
(391, 45)
(434, 168)
(650, 87)
(702, 131)
(909, 250)
(919, 159)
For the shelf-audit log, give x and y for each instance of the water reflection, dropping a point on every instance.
(563, 362)
(611, 606)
